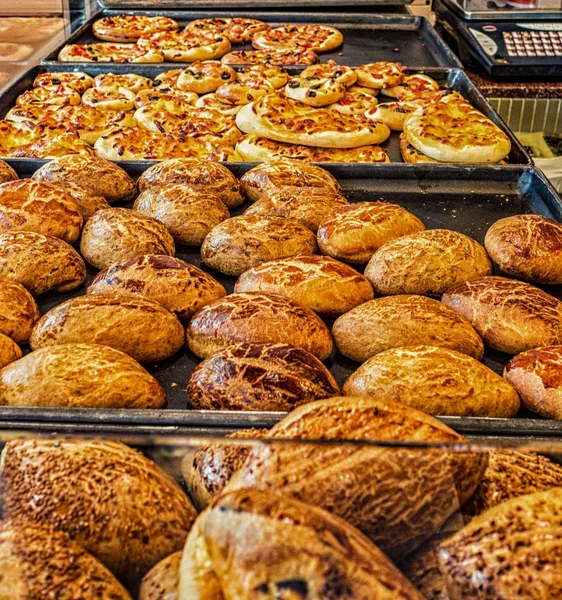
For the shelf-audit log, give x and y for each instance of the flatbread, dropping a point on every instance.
(129, 81)
(411, 87)
(77, 80)
(392, 114)
(378, 75)
(240, 93)
(109, 98)
(355, 103)
(319, 38)
(129, 28)
(345, 75)
(211, 101)
(298, 56)
(315, 92)
(205, 77)
(236, 29)
(167, 80)
(275, 75)
(178, 47)
(108, 53)
(60, 95)
(411, 155)
(165, 99)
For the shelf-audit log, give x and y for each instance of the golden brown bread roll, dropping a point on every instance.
(513, 550)
(41, 263)
(252, 543)
(117, 504)
(41, 562)
(18, 310)
(439, 381)
(88, 202)
(118, 234)
(27, 205)
(243, 242)
(9, 351)
(138, 327)
(6, 172)
(422, 570)
(261, 377)
(259, 318)
(510, 316)
(197, 172)
(528, 247)
(427, 263)
(178, 286)
(353, 233)
(188, 213)
(162, 581)
(101, 176)
(399, 321)
(324, 285)
(79, 376)
(398, 498)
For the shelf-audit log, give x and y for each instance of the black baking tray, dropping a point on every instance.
(367, 38)
(455, 79)
(468, 200)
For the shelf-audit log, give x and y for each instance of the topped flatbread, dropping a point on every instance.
(165, 99)
(75, 80)
(345, 75)
(236, 29)
(379, 75)
(211, 101)
(178, 47)
(109, 98)
(296, 56)
(240, 93)
(411, 155)
(315, 92)
(167, 80)
(129, 28)
(118, 53)
(411, 86)
(60, 95)
(274, 74)
(355, 103)
(319, 38)
(205, 77)
(130, 81)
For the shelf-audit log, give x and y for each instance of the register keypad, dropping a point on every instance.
(533, 43)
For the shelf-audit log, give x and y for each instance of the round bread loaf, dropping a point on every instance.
(101, 176)
(400, 321)
(320, 283)
(27, 205)
(79, 376)
(188, 213)
(355, 232)
(40, 562)
(88, 202)
(6, 172)
(41, 263)
(438, 381)
(422, 570)
(511, 316)
(119, 234)
(427, 263)
(181, 288)
(162, 581)
(259, 377)
(243, 242)
(209, 176)
(18, 311)
(283, 548)
(360, 483)
(138, 327)
(528, 247)
(259, 318)
(9, 351)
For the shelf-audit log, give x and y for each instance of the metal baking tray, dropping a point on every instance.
(451, 78)
(367, 38)
(468, 200)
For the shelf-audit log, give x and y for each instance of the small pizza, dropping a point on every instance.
(314, 92)
(236, 29)
(411, 155)
(411, 86)
(110, 53)
(298, 56)
(60, 95)
(319, 38)
(380, 75)
(31, 113)
(11, 52)
(181, 48)
(109, 98)
(354, 103)
(205, 77)
(29, 29)
(212, 102)
(76, 80)
(253, 148)
(243, 93)
(129, 28)
(275, 75)
(163, 99)
(344, 75)
(167, 80)
(392, 114)
(129, 81)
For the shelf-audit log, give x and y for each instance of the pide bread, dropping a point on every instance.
(427, 263)
(59, 96)
(240, 243)
(295, 56)
(392, 114)
(353, 233)
(511, 316)
(400, 321)
(129, 28)
(79, 376)
(331, 69)
(88, 202)
(439, 381)
(243, 92)
(314, 91)
(77, 80)
(236, 29)
(7, 173)
(126, 81)
(203, 77)
(382, 74)
(319, 38)
(162, 581)
(18, 310)
(178, 47)
(259, 318)
(326, 286)
(109, 98)
(259, 377)
(411, 154)
(175, 284)
(118, 234)
(9, 351)
(418, 83)
(143, 329)
(274, 74)
(109, 53)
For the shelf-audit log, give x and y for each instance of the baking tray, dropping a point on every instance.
(468, 200)
(452, 78)
(367, 38)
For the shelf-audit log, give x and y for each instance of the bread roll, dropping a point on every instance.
(320, 283)
(253, 543)
(119, 234)
(27, 205)
(9, 351)
(422, 570)
(140, 328)
(6, 172)
(243, 242)
(528, 247)
(427, 263)
(203, 174)
(397, 497)
(438, 381)
(178, 286)
(259, 318)
(188, 213)
(511, 316)
(355, 232)
(117, 504)
(18, 311)
(399, 321)
(88, 202)
(259, 377)
(41, 263)
(79, 376)
(162, 581)
(101, 176)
